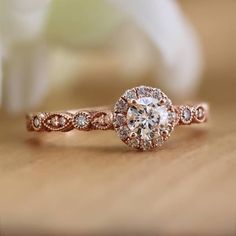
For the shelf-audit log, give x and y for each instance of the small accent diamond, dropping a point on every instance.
(82, 120)
(144, 91)
(62, 121)
(124, 133)
(157, 94)
(134, 143)
(55, 121)
(130, 94)
(119, 120)
(186, 115)
(146, 144)
(200, 113)
(121, 106)
(36, 122)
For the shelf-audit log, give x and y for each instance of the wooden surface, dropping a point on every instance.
(92, 184)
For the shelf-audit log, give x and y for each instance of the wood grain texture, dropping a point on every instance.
(92, 184)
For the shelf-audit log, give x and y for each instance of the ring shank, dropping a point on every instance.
(101, 118)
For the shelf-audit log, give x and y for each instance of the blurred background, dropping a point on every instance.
(66, 54)
(60, 54)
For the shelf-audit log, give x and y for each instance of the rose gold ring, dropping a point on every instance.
(143, 118)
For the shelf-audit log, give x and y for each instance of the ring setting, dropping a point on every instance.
(143, 117)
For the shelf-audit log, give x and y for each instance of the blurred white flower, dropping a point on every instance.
(22, 23)
(22, 20)
(25, 55)
(1, 90)
(176, 43)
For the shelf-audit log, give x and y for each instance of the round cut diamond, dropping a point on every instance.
(81, 120)
(145, 116)
(200, 113)
(187, 115)
(146, 120)
(55, 121)
(62, 121)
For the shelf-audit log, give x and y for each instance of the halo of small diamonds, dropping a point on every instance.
(144, 118)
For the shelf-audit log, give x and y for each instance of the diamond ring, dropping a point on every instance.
(143, 118)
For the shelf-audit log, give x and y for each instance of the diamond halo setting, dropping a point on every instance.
(144, 117)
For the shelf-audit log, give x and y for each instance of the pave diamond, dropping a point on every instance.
(130, 94)
(134, 143)
(146, 116)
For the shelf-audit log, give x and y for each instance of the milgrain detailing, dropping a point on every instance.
(143, 118)
(84, 120)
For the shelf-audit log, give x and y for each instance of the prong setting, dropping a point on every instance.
(147, 118)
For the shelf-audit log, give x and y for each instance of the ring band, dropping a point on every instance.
(143, 118)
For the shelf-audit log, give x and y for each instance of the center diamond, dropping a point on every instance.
(145, 116)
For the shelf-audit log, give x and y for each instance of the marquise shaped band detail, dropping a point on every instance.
(143, 117)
